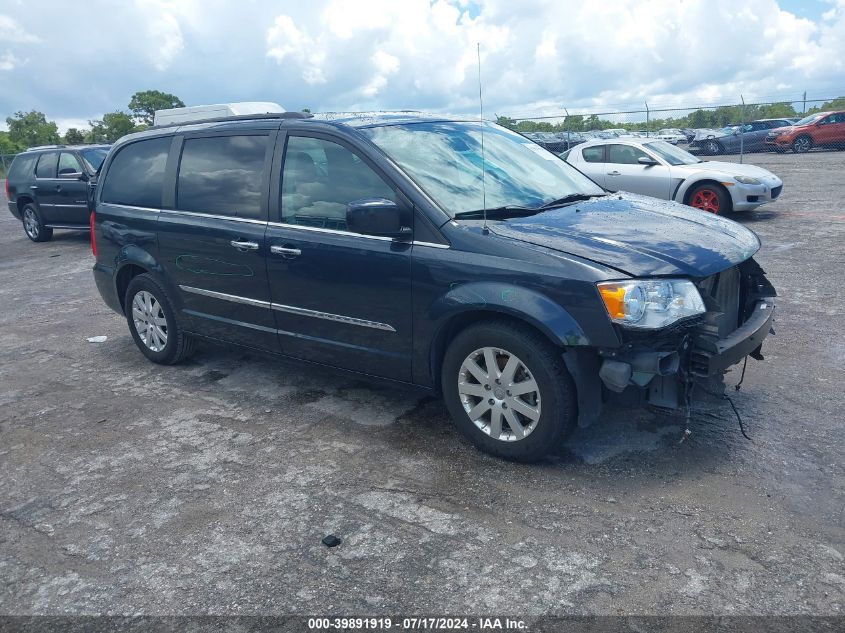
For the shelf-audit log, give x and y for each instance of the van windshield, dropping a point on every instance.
(444, 158)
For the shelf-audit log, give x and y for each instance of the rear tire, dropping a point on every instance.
(33, 224)
(710, 198)
(802, 144)
(525, 407)
(152, 322)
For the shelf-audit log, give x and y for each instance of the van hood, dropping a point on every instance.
(637, 235)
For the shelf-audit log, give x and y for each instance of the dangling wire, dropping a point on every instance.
(742, 375)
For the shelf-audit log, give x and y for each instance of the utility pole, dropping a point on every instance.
(804, 109)
(647, 120)
(741, 133)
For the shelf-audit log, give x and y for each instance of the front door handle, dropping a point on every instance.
(285, 251)
(244, 246)
(614, 173)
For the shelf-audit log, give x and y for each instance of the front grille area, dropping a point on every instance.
(721, 293)
(776, 191)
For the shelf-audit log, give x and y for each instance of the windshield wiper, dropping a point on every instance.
(509, 211)
(569, 198)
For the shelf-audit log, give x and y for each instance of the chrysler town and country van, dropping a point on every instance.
(401, 247)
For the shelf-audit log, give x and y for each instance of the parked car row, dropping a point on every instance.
(362, 243)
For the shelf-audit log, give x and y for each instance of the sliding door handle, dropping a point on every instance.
(244, 246)
(285, 251)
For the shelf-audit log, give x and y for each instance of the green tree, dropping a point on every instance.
(110, 128)
(74, 136)
(27, 129)
(506, 121)
(143, 104)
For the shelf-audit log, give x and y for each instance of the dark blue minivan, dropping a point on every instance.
(450, 254)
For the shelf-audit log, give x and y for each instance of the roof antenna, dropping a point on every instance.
(481, 121)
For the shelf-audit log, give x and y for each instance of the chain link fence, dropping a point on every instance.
(5, 161)
(731, 129)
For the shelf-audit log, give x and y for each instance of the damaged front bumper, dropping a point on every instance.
(660, 367)
(712, 356)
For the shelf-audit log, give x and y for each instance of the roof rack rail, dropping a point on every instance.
(239, 117)
(28, 149)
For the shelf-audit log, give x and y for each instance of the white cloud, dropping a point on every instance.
(285, 40)
(163, 31)
(538, 56)
(12, 32)
(8, 61)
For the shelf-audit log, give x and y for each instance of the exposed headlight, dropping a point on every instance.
(650, 303)
(747, 180)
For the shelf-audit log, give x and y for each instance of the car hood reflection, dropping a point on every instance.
(638, 235)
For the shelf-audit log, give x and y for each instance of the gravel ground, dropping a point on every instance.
(206, 488)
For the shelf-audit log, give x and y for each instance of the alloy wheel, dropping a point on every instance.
(801, 144)
(712, 147)
(30, 223)
(706, 200)
(150, 323)
(499, 394)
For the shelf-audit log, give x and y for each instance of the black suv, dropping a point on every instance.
(401, 247)
(47, 187)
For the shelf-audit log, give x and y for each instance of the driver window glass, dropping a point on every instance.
(625, 155)
(320, 178)
(69, 164)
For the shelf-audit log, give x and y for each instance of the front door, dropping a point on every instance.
(72, 195)
(339, 298)
(831, 130)
(212, 242)
(625, 173)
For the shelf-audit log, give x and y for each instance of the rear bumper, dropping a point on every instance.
(713, 356)
(13, 208)
(104, 278)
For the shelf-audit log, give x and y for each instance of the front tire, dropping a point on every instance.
(710, 198)
(152, 322)
(33, 225)
(712, 148)
(508, 390)
(802, 144)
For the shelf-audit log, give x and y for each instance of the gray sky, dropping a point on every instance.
(537, 55)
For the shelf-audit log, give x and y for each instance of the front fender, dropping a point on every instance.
(696, 178)
(528, 305)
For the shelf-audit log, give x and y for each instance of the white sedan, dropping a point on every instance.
(656, 168)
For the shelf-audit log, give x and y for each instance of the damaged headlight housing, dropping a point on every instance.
(650, 303)
(747, 180)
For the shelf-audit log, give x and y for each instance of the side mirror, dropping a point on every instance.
(70, 175)
(648, 161)
(376, 216)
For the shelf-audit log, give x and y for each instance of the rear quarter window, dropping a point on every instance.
(135, 176)
(22, 167)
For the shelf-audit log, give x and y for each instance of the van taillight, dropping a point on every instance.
(93, 234)
(8, 195)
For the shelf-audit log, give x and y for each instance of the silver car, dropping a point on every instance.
(656, 168)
